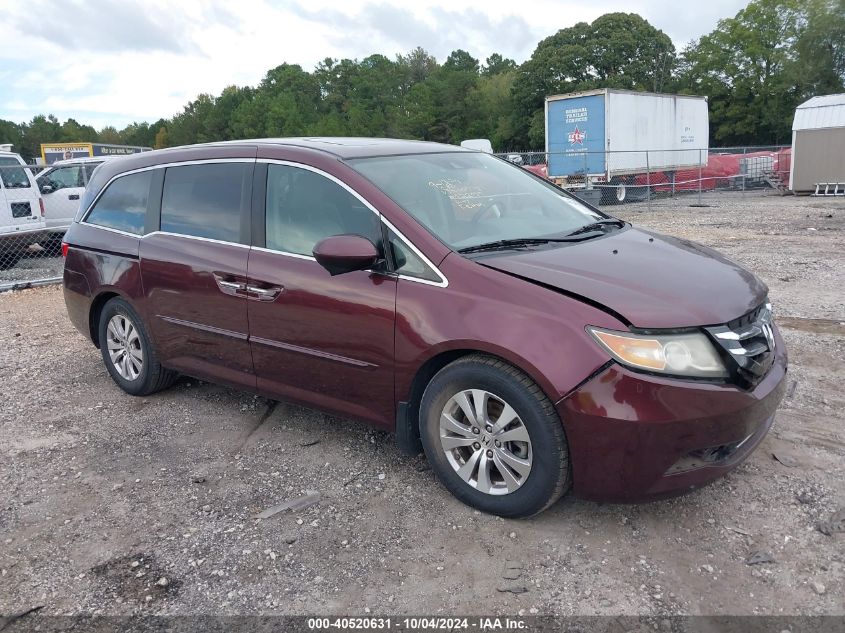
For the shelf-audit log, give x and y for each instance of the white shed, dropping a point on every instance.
(818, 143)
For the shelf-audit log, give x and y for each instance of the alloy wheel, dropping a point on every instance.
(124, 346)
(485, 442)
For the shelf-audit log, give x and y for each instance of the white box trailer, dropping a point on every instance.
(605, 133)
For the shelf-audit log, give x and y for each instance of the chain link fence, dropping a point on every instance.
(661, 178)
(37, 205)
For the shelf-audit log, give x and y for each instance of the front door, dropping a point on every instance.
(194, 272)
(320, 340)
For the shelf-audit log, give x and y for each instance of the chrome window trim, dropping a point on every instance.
(180, 163)
(262, 249)
(137, 236)
(443, 283)
(199, 238)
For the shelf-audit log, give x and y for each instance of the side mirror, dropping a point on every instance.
(46, 188)
(344, 253)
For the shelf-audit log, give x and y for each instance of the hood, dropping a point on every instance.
(652, 280)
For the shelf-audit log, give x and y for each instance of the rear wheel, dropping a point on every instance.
(128, 352)
(493, 438)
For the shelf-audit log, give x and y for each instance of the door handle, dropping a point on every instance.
(265, 294)
(229, 287)
(73, 196)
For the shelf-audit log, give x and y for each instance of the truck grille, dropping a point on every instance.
(749, 341)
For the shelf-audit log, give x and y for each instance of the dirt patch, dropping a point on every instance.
(817, 326)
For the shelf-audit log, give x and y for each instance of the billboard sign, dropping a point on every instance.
(103, 149)
(51, 152)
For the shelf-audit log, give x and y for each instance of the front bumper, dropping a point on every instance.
(635, 437)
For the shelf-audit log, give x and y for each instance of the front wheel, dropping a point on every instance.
(128, 352)
(493, 438)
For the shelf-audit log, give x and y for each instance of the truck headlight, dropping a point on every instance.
(689, 354)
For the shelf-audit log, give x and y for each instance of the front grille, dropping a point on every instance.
(749, 341)
(21, 210)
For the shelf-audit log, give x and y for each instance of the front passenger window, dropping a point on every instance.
(304, 207)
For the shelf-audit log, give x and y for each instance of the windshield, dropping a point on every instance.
(468, 199)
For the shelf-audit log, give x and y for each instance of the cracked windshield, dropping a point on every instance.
(467, 199)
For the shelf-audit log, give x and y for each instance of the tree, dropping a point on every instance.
(11, 132)
(494, 104)
(441, 108)
(419, 65)
(141, 134)
(73, 132)
(109, 134)
(759, 65)
(40, 130)
(617, 50)
(162, 139)
(755, 68)
(496, 65)
(820, 49)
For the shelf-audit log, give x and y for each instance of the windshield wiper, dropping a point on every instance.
(514, 243)
(598, 225)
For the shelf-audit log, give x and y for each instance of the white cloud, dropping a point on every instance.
(115, 61)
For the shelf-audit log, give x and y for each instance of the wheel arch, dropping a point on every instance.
(96, 309)
(408, 407)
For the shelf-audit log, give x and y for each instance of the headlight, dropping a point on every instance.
(678, 354)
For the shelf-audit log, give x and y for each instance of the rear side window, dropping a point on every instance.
(123, 205)
(205, 200)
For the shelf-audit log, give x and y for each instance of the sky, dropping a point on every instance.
(111, 62)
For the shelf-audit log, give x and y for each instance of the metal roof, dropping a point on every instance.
(826, 111)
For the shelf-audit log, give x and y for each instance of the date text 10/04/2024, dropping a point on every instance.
(418, 623)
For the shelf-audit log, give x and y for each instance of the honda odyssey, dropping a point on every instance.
(526, 342)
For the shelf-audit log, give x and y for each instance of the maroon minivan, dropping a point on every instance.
(527, 342)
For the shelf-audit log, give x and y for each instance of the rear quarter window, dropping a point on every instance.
(123, 205)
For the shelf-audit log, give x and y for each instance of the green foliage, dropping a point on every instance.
(754, 67)
(618, 50)
(759, 65)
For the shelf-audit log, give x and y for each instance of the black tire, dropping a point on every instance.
(549, 477)
(152, 376)
(614, 190)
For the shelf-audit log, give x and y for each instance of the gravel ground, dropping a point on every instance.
(121, 505)
(34, 266)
